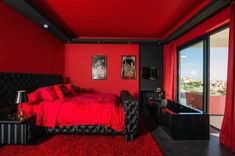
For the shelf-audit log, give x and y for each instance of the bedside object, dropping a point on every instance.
(21, 98)
(15, 130)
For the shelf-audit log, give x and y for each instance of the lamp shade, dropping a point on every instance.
(21, 97)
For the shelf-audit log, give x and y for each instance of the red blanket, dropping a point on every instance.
(82, 109)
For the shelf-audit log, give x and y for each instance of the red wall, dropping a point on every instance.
(212, 23)
(78, 66)
(27, 48)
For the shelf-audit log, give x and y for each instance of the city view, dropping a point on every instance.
(191, 75)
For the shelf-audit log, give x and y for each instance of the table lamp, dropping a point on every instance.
(21, 98)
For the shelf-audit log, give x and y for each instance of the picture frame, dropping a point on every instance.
(128, 67)
(99, 67)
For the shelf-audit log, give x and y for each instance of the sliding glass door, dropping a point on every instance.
(202, 75)
(218, 76)
(190, 80)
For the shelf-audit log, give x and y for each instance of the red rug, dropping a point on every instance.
(66, 145)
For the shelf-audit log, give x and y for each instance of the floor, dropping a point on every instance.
(193, 148)
(216, 121)
(171, 147)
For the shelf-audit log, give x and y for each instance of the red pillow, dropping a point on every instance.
(59, 92)
(70, 89)
(34, 96)
(64, 90)
(47, 93)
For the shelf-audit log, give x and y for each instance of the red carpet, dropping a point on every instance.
(85, 145)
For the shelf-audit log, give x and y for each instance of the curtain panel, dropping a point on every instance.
(169, 70)
(227, 133)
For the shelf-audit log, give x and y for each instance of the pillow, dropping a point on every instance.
(64, 90)
(61, 91)
(47, 93)
(70, 89)
(34, 96)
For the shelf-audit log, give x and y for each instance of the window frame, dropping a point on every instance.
(205, 39)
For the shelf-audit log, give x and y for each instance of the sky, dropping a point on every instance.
(192, 63)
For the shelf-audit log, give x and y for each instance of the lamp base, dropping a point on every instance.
(21, 114)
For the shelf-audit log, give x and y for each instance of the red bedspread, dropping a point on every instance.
(82, 109)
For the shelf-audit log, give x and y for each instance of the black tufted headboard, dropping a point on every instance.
(11, 82)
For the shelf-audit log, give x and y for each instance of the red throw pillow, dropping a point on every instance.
(34, 96)
(70, 89)
(64, 90)
(59, 92)
(47, 93)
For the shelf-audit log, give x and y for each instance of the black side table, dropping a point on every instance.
(14, 130)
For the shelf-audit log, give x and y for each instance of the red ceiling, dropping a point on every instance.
(142, 19)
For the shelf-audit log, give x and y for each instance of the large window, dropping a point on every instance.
(218, 76)
(191, 76)
(202, 75)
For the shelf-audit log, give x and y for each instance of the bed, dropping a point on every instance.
(11, 82)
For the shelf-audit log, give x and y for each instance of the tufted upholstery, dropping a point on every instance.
(131, 114)
(86, 129)
(11, 82)
(131, 122)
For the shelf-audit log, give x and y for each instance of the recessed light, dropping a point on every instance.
(45, 26)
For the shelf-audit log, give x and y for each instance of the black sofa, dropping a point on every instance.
(183, 123)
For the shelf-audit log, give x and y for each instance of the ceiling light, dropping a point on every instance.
(45, 26)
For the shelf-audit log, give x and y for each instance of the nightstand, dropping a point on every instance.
(14, 130)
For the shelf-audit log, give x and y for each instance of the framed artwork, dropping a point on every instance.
(99, 65)
(128, 67)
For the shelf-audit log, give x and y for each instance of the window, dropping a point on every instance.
(218, 76)
(191, 76)
(202, 75)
